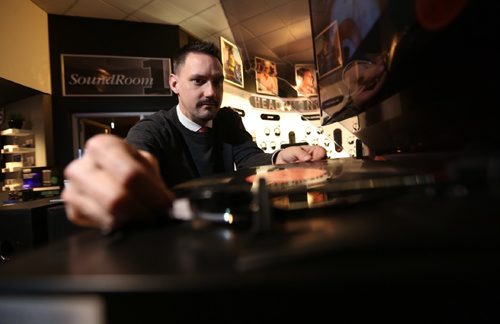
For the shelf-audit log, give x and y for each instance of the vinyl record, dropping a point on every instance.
(299, 186)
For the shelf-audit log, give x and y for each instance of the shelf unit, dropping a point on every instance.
(13, 157)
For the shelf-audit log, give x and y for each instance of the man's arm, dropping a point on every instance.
(247, 154)
(114, 184)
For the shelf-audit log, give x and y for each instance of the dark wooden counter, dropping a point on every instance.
(418, 253)
(31, 224)
(401, 260)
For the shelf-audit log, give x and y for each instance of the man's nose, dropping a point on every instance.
(210, 89)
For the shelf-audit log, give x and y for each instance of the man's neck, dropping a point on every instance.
(188, 123)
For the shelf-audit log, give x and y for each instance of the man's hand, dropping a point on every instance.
(302, 153)
(114, 184)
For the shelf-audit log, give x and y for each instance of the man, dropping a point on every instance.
(306, 85)
(118, 182)
(232, 66)
(267, 81)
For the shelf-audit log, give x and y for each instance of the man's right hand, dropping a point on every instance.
(114, 184)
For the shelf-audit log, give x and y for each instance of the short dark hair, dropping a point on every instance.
(195, 47)
(302, 71)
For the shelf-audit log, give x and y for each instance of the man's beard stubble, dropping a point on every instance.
(207, 115)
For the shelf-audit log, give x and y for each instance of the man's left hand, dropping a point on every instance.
(304, 153)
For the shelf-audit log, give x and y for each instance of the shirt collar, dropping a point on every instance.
(188, 123)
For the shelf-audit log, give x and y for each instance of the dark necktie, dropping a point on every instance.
(203, 129)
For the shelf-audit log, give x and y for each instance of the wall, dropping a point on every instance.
(76, 35)
(305, 131)
(24, 43)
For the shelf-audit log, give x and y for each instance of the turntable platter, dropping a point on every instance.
(291, 176)
(299, 186)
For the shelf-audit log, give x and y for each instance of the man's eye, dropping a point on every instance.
(198, 81)
(218, 82)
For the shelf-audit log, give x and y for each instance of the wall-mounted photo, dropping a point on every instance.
(305, 80)
(232, 63)
(328, 50)
(266, 76)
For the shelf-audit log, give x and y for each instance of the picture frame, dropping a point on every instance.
(266, 76)
(306, 84)
(232, 63)
(328, 50)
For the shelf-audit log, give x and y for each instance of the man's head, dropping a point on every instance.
(229, 49)
(198, 81)
(268, 67)
(200, 47)
(307, 77)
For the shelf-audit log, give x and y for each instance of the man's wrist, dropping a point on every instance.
(274, 157)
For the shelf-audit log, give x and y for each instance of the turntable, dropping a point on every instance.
(292, 213)
(292, 190)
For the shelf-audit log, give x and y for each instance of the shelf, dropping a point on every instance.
(19, 187)
(48, 188)
(19, 150)
(16, 132)
(9, 170)
(12, 187)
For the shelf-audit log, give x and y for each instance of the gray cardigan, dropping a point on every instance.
(167, 139)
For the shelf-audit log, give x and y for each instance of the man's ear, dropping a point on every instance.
(172, 80)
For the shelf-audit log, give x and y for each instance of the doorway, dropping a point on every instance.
(86, 125)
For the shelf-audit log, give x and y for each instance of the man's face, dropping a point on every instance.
(267, 67)
(199, 86)
(308, 78)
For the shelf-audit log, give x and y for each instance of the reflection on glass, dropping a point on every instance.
(86, 125)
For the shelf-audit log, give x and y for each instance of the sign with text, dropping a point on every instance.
(98, 75)
(301, 105)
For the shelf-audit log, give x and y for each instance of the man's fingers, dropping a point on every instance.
(318, 153)
(135, 171)
(83, 211)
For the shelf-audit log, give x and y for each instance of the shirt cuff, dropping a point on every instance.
(275, 156)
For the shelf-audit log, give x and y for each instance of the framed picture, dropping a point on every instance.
(266, 76)
(305, 80)
(328, 50)
(232, 63)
